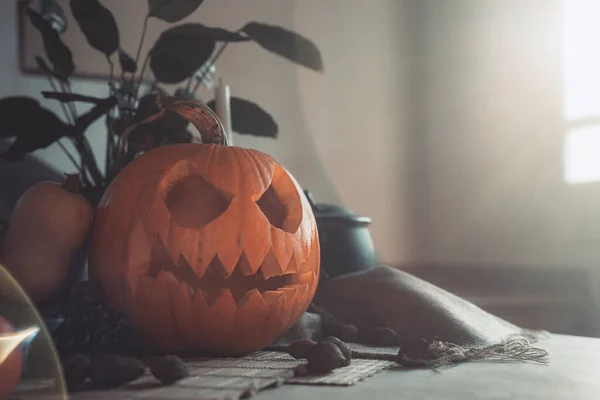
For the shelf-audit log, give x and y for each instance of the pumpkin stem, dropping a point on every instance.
(197, 113)
(73, 182)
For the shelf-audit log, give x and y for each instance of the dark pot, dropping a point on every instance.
(344, 237)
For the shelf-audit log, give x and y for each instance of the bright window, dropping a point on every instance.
(582, 91)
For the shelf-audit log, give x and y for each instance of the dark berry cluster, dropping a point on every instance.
(91, 326)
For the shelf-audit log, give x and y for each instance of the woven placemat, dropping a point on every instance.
(345, 376)
(219, 379)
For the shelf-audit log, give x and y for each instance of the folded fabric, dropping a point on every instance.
(456, 329)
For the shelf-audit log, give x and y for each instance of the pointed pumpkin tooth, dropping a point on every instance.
(201, 265)
(292, 266)
(200, 312)
(229, 259)
(256, 246)
(303, 293)
(270, 267)
(251, 299)
(160, 300)
(302, 302)
(282, 248)
(181, 244)
(221, 317)
(138, 259)
(225, 302)
(275, 313)
(158, 219)
(252, 315)
(244, 266)
(272, 298)
(184, 313)
(287, 311)
(307, 277)
(168, 279)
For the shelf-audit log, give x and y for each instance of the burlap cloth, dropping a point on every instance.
(385, 296)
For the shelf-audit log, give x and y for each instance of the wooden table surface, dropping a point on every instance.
(572, 374)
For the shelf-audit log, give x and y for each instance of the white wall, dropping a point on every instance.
(493, 126)
(344, 133)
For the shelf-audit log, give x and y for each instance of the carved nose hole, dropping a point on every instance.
(193, 202)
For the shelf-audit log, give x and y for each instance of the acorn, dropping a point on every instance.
(112, 371)
(343, 348)
(76, 369)
(324, 357)
(299, 349)
(168, 369)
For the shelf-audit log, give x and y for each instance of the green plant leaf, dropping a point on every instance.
(249, 118)
(69, 97)
(15, 111)
(97, 24)
(179, 52)
(172, 10)
(33, 127)
(127, 62)
(285, 43)
(83, 122)
(207, 32)
(57, 52)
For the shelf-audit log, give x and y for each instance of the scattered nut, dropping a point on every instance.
(413, 352)
(324, 357)
(349, 333)
(76, 369)
(168, 369)
(112, 371)
(342, 346)
(381, 336)
(300, 348)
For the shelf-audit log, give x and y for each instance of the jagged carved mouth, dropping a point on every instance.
(215, 279)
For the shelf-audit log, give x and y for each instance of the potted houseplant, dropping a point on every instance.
(184, 54)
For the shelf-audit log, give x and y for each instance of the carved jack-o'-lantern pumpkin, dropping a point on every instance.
(209, 247)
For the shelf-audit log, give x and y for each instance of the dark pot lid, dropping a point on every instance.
(326, 213)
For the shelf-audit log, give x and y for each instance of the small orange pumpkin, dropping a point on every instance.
(49, 223)
(209, 247)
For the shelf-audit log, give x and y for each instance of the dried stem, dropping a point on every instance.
(139, 50)
(200, 115)
(212, 61)
(80, 167)
(73, 182)
(70, 156)
(141, 77)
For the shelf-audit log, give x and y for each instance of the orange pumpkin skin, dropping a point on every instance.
(47, 226)
(209, 247)
(11, 367)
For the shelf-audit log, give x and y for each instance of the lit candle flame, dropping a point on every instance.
(9, 342)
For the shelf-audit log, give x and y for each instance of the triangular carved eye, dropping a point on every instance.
(193, 202)
(281, 204)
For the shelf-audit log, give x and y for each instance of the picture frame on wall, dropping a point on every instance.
(89, 63)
